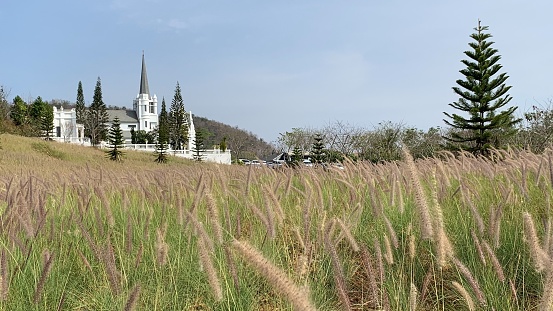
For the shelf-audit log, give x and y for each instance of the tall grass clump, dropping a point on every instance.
(79, 232)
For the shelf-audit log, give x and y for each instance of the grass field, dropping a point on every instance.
(79, 232)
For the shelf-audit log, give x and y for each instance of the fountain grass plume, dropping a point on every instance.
(207, 264)
(465, 294)
(471, 280)
(539, 256)
(4, 278)
(427, 229)
(43, 276)
(297, 296)
(495, 262)
(337, 269)
(133, 298)
(349, 236)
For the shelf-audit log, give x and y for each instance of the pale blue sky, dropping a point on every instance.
(269, 66)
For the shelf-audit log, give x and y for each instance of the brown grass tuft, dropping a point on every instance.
(471, 280)
(538, 255)
(466, 296)
(4, 285)
(427, 229)
(297, 296)
(43, 276)
(133, 298)
(207, 264)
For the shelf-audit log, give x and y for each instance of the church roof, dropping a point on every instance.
(125, 116)
(144, 89)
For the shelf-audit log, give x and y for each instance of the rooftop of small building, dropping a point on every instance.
(124, 115)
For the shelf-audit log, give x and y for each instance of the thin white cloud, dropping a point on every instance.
(159, 15)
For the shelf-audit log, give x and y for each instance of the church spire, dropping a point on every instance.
(144, 89)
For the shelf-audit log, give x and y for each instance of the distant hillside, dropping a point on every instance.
(243, 144)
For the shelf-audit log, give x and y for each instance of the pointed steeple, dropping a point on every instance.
(144, 89)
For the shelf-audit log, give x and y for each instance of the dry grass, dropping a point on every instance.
(448, 233)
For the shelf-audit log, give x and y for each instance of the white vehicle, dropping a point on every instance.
(245, 161)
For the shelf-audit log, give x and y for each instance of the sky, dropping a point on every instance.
(270, 66)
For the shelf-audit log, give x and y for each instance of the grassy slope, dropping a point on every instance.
(354, 238)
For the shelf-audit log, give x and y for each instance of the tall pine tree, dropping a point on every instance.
(481, 94)
(40, 113)
(97, 117)
(317, 150)
(178, 128)
(198, 153)
(116, 141)
(163, 135)
(19, 111)
(80, 108)
(47, 121)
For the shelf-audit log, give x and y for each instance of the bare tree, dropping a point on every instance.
(68, 130)
(342, 137)
(300, 138)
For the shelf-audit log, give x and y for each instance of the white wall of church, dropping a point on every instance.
(65, 125)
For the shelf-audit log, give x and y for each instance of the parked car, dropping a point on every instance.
(307, 163)
(244, 161)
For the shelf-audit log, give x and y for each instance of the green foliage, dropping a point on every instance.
(4, 106)
(47, 148)
(80, 108)
(242, 143)
(536, 131)
(163, 132)
(178, 124)
(482, 94)
(39, 117)
(317, 150)
(36, 110)
(133, 136)
(223, 144)
(47, 121)
(96, 117)
(199, 146)
(116, 141)
(143, 137)
(19, 111)
(163, 135)
(297, 155)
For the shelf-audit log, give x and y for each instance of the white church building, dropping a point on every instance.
(143, 117)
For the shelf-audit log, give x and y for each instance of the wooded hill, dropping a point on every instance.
(242, 143)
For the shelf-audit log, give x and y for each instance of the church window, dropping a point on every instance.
(145, 124)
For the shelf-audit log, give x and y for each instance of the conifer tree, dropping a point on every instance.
(36, 110)
(40, 113)
(223, 144)
(317, 150)
(116, 141)
(163, 135)
(199, 146)
(18, 113)
(80, 108)
(97, 117)
(47, 121)
(133, 136)
(481, 94)
(297, 155)
(4, 106)
(178, 128)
